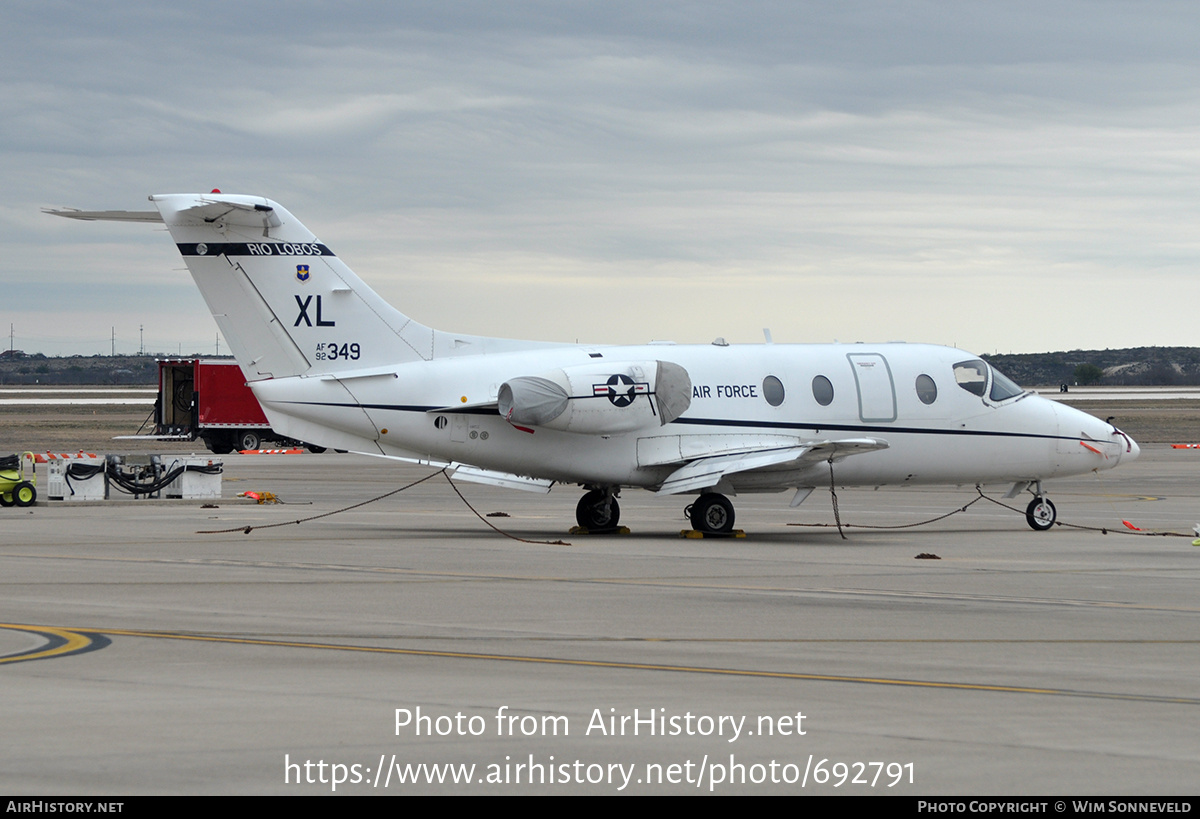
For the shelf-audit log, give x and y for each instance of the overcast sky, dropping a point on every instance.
(998, 176)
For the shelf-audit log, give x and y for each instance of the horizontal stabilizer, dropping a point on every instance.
(210, 211)
(106, 215)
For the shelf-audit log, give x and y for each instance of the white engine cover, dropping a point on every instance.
(599, 399)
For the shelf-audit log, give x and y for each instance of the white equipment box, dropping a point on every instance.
(200, 478)
(76, 479)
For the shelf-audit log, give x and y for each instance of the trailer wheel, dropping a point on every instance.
(6, 500)
(24, 494)
(249, 439)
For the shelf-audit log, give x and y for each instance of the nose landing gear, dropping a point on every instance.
(1040, 514)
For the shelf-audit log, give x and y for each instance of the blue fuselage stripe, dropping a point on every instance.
(729, 422)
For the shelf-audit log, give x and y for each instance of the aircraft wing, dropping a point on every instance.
(507, 480)
(703, 472)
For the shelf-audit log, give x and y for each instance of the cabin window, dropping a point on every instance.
(972, 376)
(773, 390)
(926, 389)
(822, 390)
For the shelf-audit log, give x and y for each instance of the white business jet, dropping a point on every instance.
(333, 364)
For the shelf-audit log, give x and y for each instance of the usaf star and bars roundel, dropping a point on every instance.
(620, 389)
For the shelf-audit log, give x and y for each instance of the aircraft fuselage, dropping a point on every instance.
(958, 437)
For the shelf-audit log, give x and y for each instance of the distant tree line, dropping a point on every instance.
(97, 370)
(1136, 366)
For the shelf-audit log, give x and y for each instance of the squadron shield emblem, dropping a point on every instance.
(301, 272)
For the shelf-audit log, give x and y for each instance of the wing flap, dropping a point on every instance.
(702, 473)
(706, 472)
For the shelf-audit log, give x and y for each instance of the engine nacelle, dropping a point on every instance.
(599, 399)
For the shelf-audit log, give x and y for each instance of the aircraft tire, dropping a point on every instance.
(24, 494)
(314, 449)
(712, 513)
(590, 513)
(1040, 514)
(249, 439)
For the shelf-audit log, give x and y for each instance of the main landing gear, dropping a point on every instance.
(598, 511)
(712, 514)
(1040, 514)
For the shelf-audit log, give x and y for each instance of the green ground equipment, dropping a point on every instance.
(16, 488)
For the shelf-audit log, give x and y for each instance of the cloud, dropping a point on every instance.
(989, 175)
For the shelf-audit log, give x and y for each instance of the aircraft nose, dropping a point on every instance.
(1101, 437)
(1132, 450)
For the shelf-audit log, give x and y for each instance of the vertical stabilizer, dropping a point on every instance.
(285, 304)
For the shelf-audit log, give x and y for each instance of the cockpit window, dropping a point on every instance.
(1002, 387)
(972, 376)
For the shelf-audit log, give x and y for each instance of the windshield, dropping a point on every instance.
(1002, 387)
